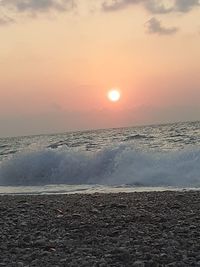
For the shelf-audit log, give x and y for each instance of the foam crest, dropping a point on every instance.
(113, 166)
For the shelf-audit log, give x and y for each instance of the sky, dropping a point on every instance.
(59, 58)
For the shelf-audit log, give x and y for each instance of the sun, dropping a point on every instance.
(114, 95)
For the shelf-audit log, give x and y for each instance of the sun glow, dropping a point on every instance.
(114, 95)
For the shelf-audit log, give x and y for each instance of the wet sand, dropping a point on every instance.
(124, 229)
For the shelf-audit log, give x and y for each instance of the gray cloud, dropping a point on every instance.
(153, 6)
(118, 4)
(5, 20)
(154, 26)
(186, 5)
(160, 7)
(37, 5)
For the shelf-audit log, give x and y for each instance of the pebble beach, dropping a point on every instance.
(122, 229)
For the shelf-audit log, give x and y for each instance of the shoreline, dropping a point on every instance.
(101, 229)
(63, 189)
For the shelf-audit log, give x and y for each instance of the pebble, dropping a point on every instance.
(135, 229)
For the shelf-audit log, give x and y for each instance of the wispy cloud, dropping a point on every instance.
(118, 4)
(31, 8)
(186, 5)
(37, 5)
(159, 7)
(5, 20)
(153, 6)
(155, 26)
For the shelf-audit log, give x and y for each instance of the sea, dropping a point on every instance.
(144, 158)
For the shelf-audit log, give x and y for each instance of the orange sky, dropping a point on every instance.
(59, 58)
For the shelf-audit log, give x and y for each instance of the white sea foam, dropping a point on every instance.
(112, 166)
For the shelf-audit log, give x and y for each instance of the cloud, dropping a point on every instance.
(154, 26)
(5, 20)
(186, 5)
(153, 6)
(118, 4)
(37, 5)
(168, 6)
(159, 7)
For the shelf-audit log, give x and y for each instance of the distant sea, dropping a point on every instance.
(157, 157)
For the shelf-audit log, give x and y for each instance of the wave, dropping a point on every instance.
(112, 166)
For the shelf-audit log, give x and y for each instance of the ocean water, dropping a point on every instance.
(156, 157)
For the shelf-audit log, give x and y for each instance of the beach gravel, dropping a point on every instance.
(99, 230)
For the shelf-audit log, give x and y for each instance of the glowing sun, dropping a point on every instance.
(114, 95)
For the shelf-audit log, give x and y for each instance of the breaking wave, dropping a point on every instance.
(113, 166)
